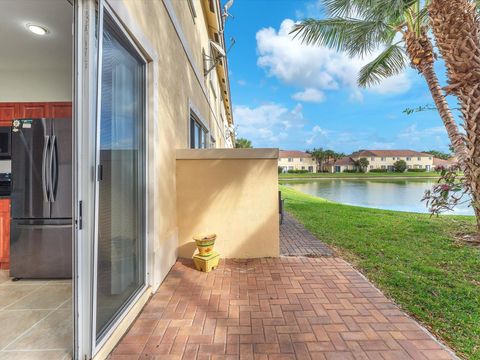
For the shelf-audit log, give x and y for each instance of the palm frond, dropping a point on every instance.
(353, 36)
(391, 61)
(366, 9)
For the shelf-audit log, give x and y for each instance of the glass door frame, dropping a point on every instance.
(86, 51)
(126, 307)
(86, 30)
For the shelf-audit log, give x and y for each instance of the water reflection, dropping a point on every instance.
(391, 194)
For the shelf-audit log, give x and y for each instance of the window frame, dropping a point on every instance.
(191, 6)
(195, 119)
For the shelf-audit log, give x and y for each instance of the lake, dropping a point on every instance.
(388, 194)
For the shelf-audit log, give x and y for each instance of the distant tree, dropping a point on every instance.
(439, 154)
(400, 166)
(362, 164)
(318, 154)
(242, 143)
(323, 156)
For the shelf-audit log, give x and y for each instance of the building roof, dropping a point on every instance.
(389, 153)
(347, 160)
(283, 154)
(442, 162)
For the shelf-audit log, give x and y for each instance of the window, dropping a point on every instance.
(211, 6)
(429, 158)
(383, 167)
(213, 142)
(383, 159)
(420, 166)
(419, 158)
(192, 9)
(303, 167)
(198, 133)
(301, 159)
(290, 160)
(409, 158)
(371, 166)
(372, 158)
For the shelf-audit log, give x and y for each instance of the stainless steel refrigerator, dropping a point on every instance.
(41, 210)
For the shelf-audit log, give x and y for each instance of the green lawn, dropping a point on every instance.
(413, 258)
(358, 175)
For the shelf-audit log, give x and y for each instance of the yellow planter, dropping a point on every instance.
(205, 244)
(206, 263)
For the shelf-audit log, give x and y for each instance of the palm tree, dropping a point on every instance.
(400, 28)
(319, 156)
(242, 143)
(456, 29)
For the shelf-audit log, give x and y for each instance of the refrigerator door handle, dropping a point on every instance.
(53, 168)
(45, 185)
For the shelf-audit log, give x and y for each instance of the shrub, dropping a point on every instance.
(417, 170)
(379, 170)
(297, 171)
(350, 171)
(280, 169)
(400, 166)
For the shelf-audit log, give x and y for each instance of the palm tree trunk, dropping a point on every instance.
(457, 140)
(420, 51)
(457, 32)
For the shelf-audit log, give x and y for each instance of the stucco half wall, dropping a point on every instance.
(233, 193)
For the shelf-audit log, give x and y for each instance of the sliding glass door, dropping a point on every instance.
(120, 219)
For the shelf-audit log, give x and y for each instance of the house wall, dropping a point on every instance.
(298, 163)
(413, 163)
(233, 193)
(178, 39)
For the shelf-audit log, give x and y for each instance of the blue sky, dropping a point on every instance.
(290, 96)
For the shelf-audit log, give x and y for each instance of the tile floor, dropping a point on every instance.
(35, 318)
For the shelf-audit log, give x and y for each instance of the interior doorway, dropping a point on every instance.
(36, 190)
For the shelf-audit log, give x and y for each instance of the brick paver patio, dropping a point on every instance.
(283, 308)
(295, 240)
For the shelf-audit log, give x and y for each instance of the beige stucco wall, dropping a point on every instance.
(233, 193)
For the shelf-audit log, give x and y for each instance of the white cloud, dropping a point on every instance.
(414, 136)
(269, 123)
(309, 95)
(393, 85)
(410, 137)
(313, 67)
(316, 132)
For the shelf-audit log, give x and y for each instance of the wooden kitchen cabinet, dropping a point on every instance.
(25, 110)
(8, 112)
(58, 110)
(32, 110)
(4, 234)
